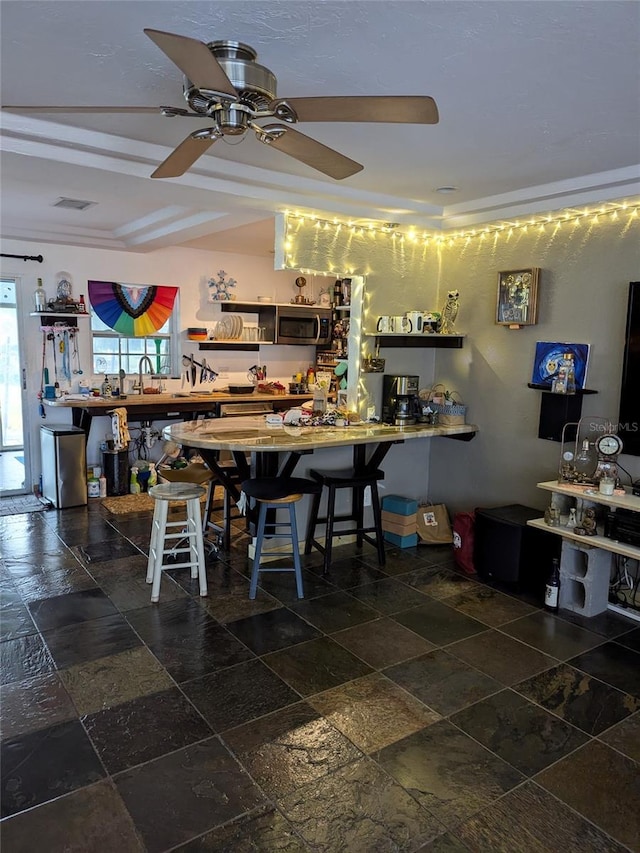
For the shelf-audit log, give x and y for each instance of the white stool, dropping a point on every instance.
(192, 535)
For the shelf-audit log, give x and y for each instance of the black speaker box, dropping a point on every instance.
(507, 550)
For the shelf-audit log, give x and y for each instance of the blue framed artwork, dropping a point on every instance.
(547, 361)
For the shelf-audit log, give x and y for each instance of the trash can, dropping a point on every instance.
(63, 456)
(115, 467)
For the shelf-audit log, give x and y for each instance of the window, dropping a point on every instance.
(113, 352)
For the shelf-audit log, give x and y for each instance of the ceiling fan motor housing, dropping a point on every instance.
(255, 84)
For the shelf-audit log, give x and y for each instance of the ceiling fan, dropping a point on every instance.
(224, 83)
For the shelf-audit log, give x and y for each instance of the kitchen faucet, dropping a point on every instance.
(145, 358)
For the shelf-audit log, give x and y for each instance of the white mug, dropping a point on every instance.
(402, 323)
(385, 324)
(415, 318)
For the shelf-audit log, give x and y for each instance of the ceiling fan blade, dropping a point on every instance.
(195, 60)
(309, 151)
(20, 109)
(184, 156)
(401, 109)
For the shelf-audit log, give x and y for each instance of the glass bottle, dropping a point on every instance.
(585, 462)
(337, 293)
(40, 297)
(82, 308)
(552, 589)
(570, 373)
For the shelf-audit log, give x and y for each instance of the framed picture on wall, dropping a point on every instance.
(518, 297)
(547, 361)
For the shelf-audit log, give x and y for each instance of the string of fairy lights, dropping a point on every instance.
(550, 224)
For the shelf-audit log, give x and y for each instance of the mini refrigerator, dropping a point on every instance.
(64, 476)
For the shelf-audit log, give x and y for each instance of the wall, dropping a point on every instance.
(585, 273)
(187, 269)
(586, 269)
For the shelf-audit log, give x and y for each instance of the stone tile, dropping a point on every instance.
(444, 844)
(529, 819)
(144, 728)
(382, 642)
(15, 620)
(110, 681)
(334, 612)
(501, 657)
(92, 818)
(526, 736)
(625, 737)
(124, 581)
(441, 681)
(581, 700)
(438, 581)
(283, 587)
(42, 765)
(239, 694)
(262, 831)
(388, 596)
(353, 571)
(37, 703)
(608, 624)
(603, 786)
(61, 610)
(488, 605)
(630, 640)
(316, 665)
(399, 561)
(447, 772)
(613, 663)
(23, 658)
(87, 641)
(290, 748)
(66, 581)
(268, 632)
(213, 790)
(551, 635)
(229, 600)
(438, 623)
(99, 552)
(373, 711)
(359, 809)
(169, 620)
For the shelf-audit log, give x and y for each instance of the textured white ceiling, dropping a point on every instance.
(539, 107)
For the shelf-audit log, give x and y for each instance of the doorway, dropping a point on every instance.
(15, 466)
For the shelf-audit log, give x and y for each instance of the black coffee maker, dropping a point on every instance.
(400, 401)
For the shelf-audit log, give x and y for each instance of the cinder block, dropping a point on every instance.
(399, 505)
(401, 541)
(584, 579)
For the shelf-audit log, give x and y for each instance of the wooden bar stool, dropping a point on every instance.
(349, 478)
(277, 493)
(222, 531)
(161, 534)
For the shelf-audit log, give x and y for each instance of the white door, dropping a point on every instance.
(15, 466)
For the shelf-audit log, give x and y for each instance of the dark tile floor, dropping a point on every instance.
(410, 709)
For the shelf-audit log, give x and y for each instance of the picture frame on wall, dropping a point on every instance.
(547, 358)
(517, 303)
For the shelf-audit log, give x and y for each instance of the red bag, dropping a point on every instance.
(463, 528)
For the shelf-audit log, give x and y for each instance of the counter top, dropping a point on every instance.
(167, 400)
(253, 434)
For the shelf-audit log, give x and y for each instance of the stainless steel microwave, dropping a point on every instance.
(298, 325)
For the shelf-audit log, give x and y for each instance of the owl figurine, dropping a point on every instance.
(449, 313)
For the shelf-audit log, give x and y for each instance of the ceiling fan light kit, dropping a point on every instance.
(224, 84)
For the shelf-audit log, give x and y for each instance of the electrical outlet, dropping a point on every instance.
(367, 496)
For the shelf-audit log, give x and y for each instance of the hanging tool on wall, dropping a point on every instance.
(75, 354)
(44, 376)
(51, 337)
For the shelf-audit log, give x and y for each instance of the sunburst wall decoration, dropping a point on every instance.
(132, 310)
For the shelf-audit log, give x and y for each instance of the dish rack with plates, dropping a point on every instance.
(229, 328)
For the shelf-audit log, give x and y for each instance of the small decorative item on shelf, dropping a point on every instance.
(449, 313)
(219, 288)
(301, 283)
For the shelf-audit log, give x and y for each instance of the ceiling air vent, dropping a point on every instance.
(74, 203)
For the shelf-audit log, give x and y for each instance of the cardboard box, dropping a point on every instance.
(403, 525)
(401, 541)
(399, 505)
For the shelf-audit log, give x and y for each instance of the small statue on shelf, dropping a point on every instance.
(587, 526)
(449, 313)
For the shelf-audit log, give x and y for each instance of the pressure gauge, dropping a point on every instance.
(609, 445)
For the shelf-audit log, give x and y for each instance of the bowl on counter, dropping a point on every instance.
(242, 389)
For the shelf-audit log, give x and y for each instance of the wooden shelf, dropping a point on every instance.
(578, 392)
(242, 346)
(400, 339)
